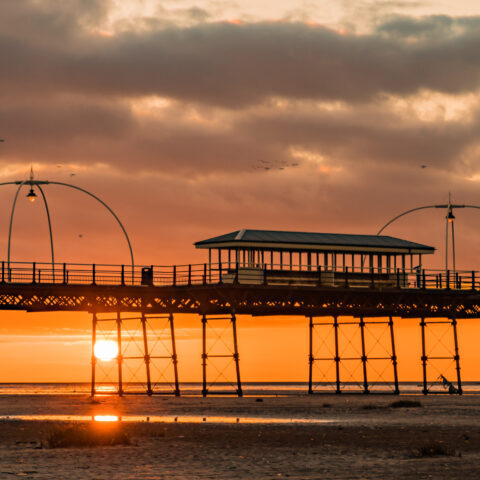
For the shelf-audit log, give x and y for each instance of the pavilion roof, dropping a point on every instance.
(284, 240)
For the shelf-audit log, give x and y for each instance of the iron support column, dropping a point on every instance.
(94, 360)
(174, 355)
(424, 357)
(364, 356)
(146, 354)
(337, 356)
(310, 355)
(235, 355)
(204, 355)
(394, 356)
(457, 355)
(119, 356)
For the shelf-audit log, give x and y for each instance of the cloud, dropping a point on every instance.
(234, 65)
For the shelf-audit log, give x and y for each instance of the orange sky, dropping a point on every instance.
(196, 121)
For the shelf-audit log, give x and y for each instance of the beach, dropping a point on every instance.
(299, 437)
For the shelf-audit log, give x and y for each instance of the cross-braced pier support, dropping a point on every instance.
(437, 355)
(130, 338)
(332, 352)
(213, 353)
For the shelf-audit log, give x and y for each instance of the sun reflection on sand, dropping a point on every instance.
(169, 419)
(106, 418)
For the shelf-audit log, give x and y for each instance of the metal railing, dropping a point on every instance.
(229, 273)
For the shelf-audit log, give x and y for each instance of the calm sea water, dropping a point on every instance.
(249, 388)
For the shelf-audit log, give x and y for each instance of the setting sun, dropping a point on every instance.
(105, 350)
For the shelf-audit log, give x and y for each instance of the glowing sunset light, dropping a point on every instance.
(105, 418)
(105, 350)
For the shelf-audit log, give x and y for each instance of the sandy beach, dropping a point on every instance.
(354, 437)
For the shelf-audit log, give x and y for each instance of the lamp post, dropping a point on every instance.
(32, 196)
(450, 218)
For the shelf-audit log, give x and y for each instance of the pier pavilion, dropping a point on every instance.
(291, 256)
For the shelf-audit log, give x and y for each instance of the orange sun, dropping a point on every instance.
(105, 350)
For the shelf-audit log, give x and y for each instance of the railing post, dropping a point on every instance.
(346, 277)
(473, 280)
(219, 272)
(3, 272)
(122, 276)
(319, 280)
(64, 273)
(424, 280)
(174, 275)
(372, 279)
(93, 274)
(448, 280)
(189, 275)
(265, 275)
(33, 272)
(204, 273)
(235, 281)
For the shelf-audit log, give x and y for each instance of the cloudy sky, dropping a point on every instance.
(196, 118)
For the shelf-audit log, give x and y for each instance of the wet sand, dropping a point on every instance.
(362, 437)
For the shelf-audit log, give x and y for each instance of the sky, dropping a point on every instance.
(196, 118)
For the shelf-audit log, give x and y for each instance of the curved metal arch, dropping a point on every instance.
(113, 214)
(49, 226)
(30, 182)
(11, 221)
(406, 213)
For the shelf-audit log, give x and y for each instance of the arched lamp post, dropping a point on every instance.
(449, 218)
(31, 195)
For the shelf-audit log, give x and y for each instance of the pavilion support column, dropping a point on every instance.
(394, 356)
(94, 359)
(119, 356)
(364, 356)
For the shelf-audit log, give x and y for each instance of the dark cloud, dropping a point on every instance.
(234, 65)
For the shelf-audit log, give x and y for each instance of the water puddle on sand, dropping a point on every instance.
(167, 419)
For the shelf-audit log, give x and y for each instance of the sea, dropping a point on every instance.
(248, 388)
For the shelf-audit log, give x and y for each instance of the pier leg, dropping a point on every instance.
(94, 359)
(235, 355)
(337, 355)
(146, 354)
(310, 356)
(364, 356)
(457, 355)
(119, 357)
(204, 355)
(174, 355)
(394, 357)
(424, 357)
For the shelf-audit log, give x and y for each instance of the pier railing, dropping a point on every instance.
(229, 273)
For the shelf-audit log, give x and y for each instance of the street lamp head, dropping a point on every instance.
(31, 195)
(450, 216)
